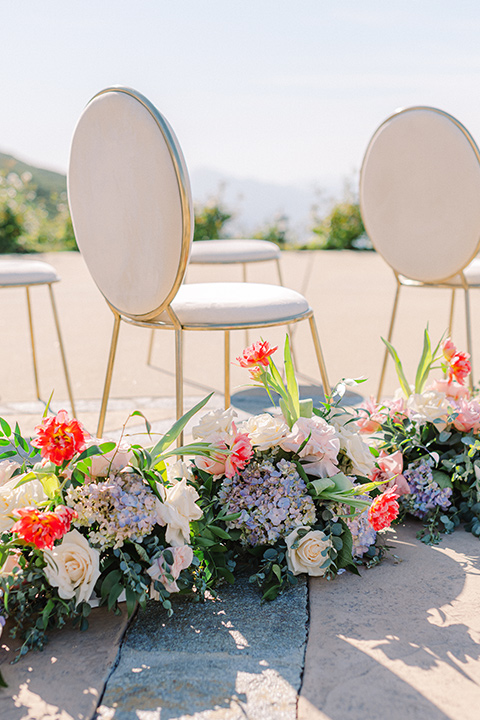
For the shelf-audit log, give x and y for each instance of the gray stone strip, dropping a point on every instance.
(227, 659)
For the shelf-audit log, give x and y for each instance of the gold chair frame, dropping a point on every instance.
(446, 283)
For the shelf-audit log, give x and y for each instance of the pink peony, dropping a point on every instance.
(458, 362)
(468, 417)
(390, 468)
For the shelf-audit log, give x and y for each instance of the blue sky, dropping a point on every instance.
(281, 91)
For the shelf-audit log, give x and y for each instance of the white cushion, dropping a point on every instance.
(233, 251)
(225, 304)
(471, 272)
(26, 272)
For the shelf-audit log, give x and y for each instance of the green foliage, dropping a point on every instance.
(210, 220)
(342, 228)
(277, 231)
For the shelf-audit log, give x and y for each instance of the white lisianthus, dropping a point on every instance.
(73, 567)
(30, 494)
(356, 448)
(7, 468)
(216, 424)
(428, 406)
(307, 557)
(178, 510)
(265, 430)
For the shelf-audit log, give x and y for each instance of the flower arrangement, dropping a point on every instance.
(432, 430)
(81, 518)
(294, 492)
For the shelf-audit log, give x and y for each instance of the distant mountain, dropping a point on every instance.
(46, 181)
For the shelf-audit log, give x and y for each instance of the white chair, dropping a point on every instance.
(235, 251)
(420, 202)
(24, 272)
(132, 212)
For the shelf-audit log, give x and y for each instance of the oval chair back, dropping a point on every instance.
(420, 200)
(131, 203)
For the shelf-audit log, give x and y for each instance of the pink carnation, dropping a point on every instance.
(390, 468)
(240, 453)
(383, 510)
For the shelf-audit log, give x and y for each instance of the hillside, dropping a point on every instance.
(47, 182)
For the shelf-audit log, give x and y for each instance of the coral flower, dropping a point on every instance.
(240, 453)
(458, 362)
(384, 509)
(256, 354)
(43, 528)
(59, 438)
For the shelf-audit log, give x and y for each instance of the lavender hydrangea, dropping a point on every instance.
(122, 505)
(363, 534)
(272, 500)
(426, 494)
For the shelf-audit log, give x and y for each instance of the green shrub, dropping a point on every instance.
(342, 229)
(210, 220)
(277, 232)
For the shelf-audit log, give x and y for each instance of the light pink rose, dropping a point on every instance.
(182, 559)
(451, 389)
(110, 462)
(321, 449)
(390, 468)
(372, 417)
(214, 465)
(468, 417)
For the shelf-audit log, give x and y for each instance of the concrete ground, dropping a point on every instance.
(402, 641)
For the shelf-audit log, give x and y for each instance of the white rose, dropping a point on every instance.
(182, 559)
(265, 430)
(179, 470)
(7, 468)
(427, 407)
(215, 424)
(177, 511)
(73, 567)
(307, 557)
(354, 445)
(30, 494)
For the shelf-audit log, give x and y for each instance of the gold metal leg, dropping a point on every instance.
(279, 271)
(227, 369)
(62, 350)
(244, 276)
(108, 377)
(468, 322)
(389, 338)
(318, 351)
(32, 340)
(150, 347)
(452, 307)
(179, 377)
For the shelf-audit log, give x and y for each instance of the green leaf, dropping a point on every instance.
(109, 581)
(306, 408)
(321, 484)
(140, 414)
(113, 595)
(277, 571)
(92, 450)
(219, 532)
(131, 597)
(424, 364)
(292, 385)
(6, 429)
(442, 479)
(398, 367)
(172, 434)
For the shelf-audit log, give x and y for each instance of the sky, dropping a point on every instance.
(279, 91)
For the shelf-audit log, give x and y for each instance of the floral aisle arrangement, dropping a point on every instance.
(428, 441)
(80, 517)
(292, 487)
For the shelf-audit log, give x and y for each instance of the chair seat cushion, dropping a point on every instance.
(233, 251)
(471, 272)
(228, 304)
(20, 271)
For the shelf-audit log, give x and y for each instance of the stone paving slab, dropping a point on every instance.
(402, 641)
(230, 658)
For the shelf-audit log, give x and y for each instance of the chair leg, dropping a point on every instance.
(279, 271)
(62, 350)
(244, 277)
(179, 378)
(32, 340)
(452, 307)
(389, 338)
(227, 369)
(150, 347)
(468, 323)
(108, 376)
(321, 362)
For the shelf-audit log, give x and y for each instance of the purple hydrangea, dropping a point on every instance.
(363, 534)
(426, 494)
(272, 500)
